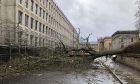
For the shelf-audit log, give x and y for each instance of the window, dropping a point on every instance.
(49, 5)
(43, 14)
(31, 40)
(32, 22)
(36, 24)
(46, 16)
(52, 21)
(49, 31)
(40, 12)
(49, 18)
(46, 3)
(51, 8)
(36, 8)
(26, 3)
(32, 5)
(43, 2)
(54, 33)
(43, 28)
(26, 20)
(46, 29)
(40, 27)
(20, 14)
(20, 1)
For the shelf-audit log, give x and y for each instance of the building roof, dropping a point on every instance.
(108, 37)
(126, 32)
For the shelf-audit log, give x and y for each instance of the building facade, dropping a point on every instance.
(122, 39)
(93, 45)
(38, 23)
(105, 43)
(101, 44)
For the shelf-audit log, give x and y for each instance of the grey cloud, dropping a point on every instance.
(101, 17)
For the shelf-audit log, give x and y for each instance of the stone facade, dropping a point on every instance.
(122, 39)
(101, 44)
(105, 43)
(38, 23)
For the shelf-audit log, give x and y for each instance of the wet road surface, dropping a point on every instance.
(96, 75)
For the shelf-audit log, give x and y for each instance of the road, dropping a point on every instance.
(98, 74)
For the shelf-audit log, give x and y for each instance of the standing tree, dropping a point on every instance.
(138, 16)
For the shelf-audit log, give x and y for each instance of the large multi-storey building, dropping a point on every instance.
(38, 23)
(122, 39)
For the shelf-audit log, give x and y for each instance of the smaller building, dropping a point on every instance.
(101, 44)
(105, 43)
(93, 45)
(122, 39)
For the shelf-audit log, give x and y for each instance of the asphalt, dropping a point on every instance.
(96, 75)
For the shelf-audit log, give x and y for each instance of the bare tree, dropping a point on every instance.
(138, 16)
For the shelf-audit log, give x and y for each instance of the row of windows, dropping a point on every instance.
(38, 10)
(36, 25)
(122, 39)
(32, 40)
(44, 2)
(42, 13)
(38, 41)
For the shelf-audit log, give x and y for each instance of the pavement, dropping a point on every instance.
(96, 75)
(127, 74)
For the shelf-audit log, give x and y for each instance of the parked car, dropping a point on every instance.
(114, 57)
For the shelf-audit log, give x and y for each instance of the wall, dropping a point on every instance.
(130, 60)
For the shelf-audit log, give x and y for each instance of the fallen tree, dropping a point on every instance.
(133, 48)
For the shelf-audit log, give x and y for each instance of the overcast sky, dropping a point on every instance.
(100, 17)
